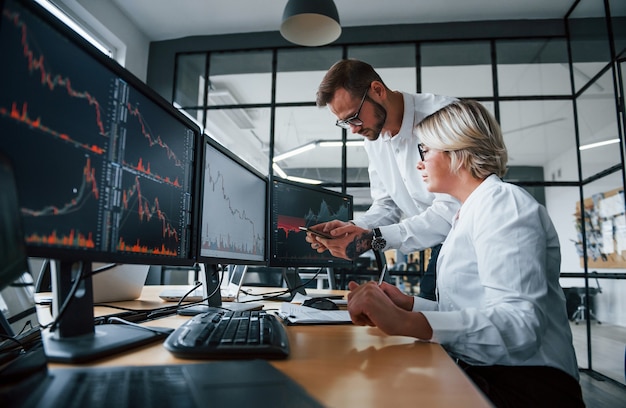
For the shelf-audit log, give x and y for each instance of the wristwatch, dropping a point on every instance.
(378, 242)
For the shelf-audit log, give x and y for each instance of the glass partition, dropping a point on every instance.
(461, 69)
(300, 71)
(605, 229)
(600, 319)
(307, 144)
(243, 77)
(244, 131)
(533, 67)
(395, 63)
(541, 133)
(618, 24)
(598, 127)
(589, 41)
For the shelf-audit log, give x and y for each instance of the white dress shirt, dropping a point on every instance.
(499, 298)
(411, 218)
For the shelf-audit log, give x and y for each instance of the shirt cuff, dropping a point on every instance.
(420, 304)
(392, 235)
(445, 325)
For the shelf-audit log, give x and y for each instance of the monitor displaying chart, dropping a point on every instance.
(234, 209)
(294, 205)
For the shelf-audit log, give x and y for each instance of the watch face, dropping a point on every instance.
(378, 243)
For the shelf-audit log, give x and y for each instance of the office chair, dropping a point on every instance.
(581, 312)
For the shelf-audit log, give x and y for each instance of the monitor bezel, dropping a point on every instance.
(331, 261)
(208, 140)
(111, 256)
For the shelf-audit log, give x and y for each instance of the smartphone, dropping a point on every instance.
(318, 233)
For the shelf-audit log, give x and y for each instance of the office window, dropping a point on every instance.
(540, 133)
(243, 77)
(189, 88)
(299, 72)
(461, 69)
(598, 127)
(589, 41)
(618, 23)
(244, 131)
(533, 67)
(302, 145)
(395, 63)
(302, 134)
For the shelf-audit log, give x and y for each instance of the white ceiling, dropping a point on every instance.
(167, 19)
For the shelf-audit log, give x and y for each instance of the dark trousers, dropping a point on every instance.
(428, 283)
(523, 387)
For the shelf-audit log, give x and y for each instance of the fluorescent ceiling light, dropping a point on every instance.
(349, 143)
(284, 175)
(278, 170)
(294, 152)
(598, 144)
(71, 24)
(313, 145)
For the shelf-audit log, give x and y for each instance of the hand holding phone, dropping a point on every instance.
(318, 233)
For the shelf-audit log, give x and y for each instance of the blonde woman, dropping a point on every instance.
(500, 311)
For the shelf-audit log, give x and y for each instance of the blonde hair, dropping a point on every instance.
(470, 134)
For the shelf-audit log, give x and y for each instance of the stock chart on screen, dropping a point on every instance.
(102, 164)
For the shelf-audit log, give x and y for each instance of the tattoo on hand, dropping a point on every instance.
(359, 245)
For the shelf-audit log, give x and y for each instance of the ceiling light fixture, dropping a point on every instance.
(598, 144)
(311, 23)
(294, 152)
(284, 175)
(317, 143)
(349, 143)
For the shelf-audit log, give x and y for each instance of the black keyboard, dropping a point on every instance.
(223, 333)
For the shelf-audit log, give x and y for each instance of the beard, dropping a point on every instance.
(380, 113)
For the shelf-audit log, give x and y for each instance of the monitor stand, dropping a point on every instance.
(210, 278)
(76, 339)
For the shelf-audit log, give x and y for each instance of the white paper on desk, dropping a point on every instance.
(298, 314)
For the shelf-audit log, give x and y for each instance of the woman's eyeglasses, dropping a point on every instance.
(420, 149)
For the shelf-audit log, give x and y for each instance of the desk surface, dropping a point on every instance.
(342, 365)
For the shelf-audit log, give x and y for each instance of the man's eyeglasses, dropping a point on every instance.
(352, 120)
(420, 148)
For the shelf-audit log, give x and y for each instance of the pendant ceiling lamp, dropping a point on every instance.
(311, 23)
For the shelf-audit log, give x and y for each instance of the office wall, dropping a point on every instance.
(112, 27)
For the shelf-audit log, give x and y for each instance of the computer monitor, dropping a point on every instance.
(13, 263)
(233, 216)
(294, 205)
(105, 167)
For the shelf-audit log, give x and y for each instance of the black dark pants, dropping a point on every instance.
(524, 387)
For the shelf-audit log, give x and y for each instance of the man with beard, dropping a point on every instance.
(404, 215)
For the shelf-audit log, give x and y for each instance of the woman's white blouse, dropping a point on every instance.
(499, 297)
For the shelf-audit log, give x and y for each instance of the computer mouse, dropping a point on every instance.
(321, 303)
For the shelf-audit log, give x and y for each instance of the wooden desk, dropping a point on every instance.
(344, 365)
